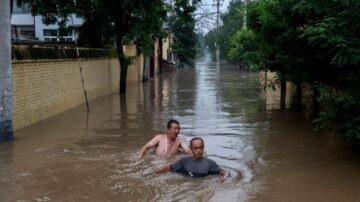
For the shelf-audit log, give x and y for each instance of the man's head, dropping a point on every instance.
(173, 129)
(197, 147)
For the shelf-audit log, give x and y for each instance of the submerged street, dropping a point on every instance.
(272, 154)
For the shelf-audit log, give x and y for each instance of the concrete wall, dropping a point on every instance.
(136, 69)
(156, 56)
(273, 96)
(166, 48)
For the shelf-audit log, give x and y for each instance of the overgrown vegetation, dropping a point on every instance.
(232, 21)
(121, 22)
(312, 42)
(43, 53)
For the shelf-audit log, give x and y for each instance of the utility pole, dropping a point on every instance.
(245, 12)
(217, 30)
(6, 128)
(217, 14)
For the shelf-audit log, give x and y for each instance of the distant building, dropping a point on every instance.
(25, 26)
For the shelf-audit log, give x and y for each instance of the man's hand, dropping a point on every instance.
(223, 175)
(221, 179)
(139, 156)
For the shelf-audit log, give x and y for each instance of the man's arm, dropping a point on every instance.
(185, 147)
(152, 143)
(163, 169)
(215, 169)
(175, 167)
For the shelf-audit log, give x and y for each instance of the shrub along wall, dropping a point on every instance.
(36, 52)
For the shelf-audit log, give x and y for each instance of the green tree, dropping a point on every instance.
(96, 19)
(182, 24)
(245, 48)
(332, 34)
(210, 39)
(125, 20)
(316, 42)
(232, 22)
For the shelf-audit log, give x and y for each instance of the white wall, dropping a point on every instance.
(22, 19)
(28, 19)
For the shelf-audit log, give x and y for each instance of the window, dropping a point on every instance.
(24, 8)
(22, 32)
(50, 32)
(54, 35)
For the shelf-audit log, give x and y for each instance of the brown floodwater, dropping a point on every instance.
(272, 154)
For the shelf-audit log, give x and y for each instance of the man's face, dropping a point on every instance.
(197, 149)
(174, 130)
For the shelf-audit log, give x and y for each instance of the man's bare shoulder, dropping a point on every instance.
(158, 137)
(155, 140)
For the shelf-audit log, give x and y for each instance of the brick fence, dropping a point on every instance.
(46, 88)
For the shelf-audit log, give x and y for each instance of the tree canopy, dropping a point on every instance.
(232, 21)
(127, 20)
(182, 24)
(312, 42)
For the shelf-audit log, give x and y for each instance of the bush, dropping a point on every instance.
(53, 53)
(342, 112)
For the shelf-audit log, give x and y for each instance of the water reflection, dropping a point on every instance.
(272, 155)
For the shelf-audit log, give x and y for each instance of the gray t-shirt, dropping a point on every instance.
(195, 168)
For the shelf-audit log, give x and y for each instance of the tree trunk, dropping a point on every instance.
(146, 72)
(282, 93)
(298, 95)
(123, 64)
(124, 112)
(160, 56)
(6, 128)
(316, 105)
(123, 75)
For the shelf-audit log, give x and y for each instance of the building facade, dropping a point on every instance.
(26, 27)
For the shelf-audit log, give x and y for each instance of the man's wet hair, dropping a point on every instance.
(171, 122)
(196, 138)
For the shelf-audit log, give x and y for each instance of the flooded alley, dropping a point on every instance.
(272, 154)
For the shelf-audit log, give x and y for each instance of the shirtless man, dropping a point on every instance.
(167, 144)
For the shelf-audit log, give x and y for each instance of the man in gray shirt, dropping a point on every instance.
(195, 165)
